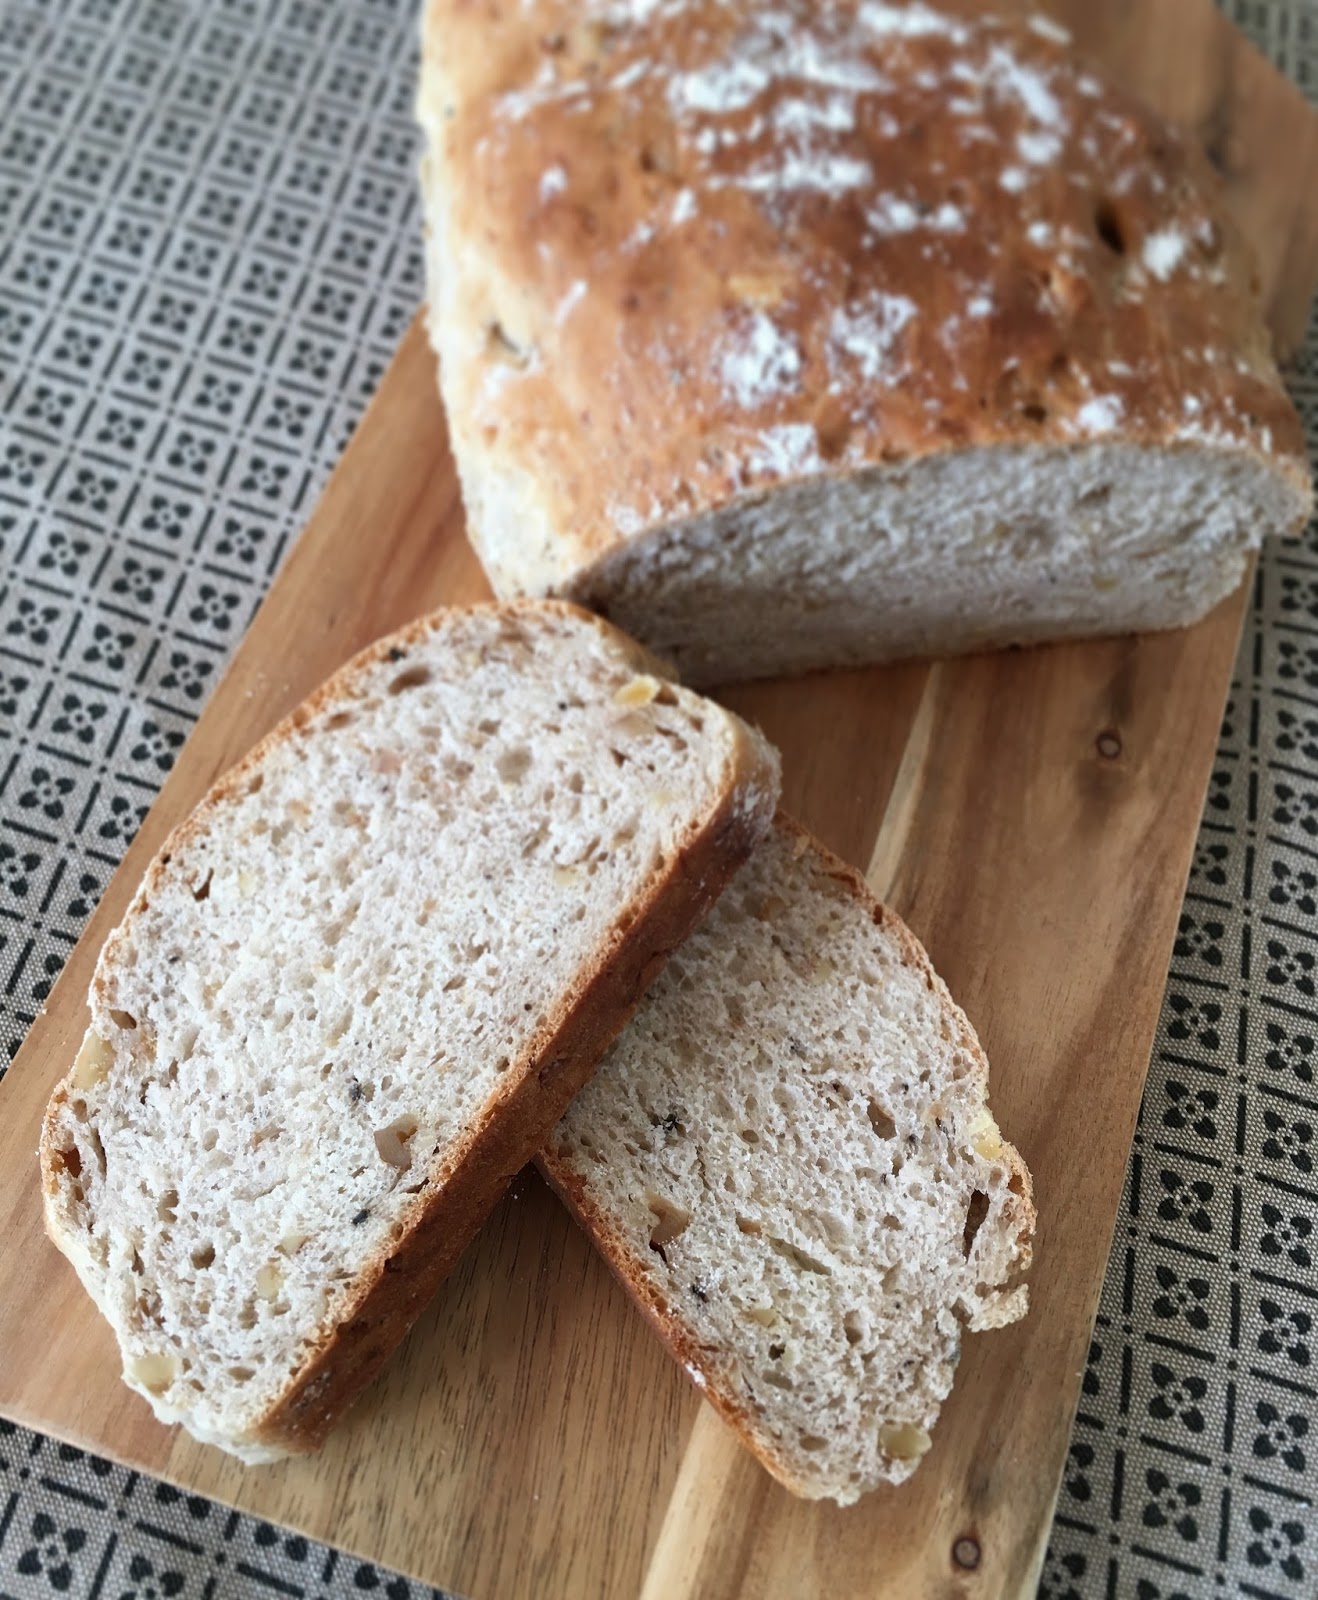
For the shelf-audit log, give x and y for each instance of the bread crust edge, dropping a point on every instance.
(396, 1282)
(628, 1268)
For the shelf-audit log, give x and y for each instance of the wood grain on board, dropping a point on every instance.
(1031, 813)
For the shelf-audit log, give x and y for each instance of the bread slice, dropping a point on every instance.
(358, 988)
(796, 335)
(789, 1160)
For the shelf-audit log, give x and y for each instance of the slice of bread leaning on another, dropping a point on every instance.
(802, 334)
(358, 988)
(788, 1160)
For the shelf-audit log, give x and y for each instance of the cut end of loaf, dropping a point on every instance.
(360, 983)
(857, 241)
(789, 1159)
(955, 552)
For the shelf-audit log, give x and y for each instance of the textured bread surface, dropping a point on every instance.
(794, 334)
(357, 989)
(789, 1160)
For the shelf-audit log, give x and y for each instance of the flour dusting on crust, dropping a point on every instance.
(824, 236)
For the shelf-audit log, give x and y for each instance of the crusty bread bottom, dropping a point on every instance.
(956, 552)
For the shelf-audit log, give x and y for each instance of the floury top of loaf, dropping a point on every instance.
(798, 333)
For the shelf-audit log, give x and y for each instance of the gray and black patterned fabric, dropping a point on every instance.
(209, 247)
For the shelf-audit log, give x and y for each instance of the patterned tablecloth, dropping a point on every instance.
(209, 247)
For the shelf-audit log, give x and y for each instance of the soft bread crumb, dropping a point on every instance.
(789, 1158)
(277, 1085)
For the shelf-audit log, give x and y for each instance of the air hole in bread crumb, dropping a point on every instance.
(123, 1019)
(70, 1161)
(798, 1257)
(489, 726)
(750, 1135)
(204, 891)
(1016, 1183)
(779, 1380)
(413, 678)
(776, 1352)
(975, 1214)
(851, 1327)
(203, 1256)
(500, 347)
(1034, 411)
(242, 1374)
(340, 719)
(812, 1441)
(210, 1139)
(748, 1225)
(839, 1235)
(257, 784)
(513, 765)
(880, 1121)
(1099, 495)
(166, 1206)
(247, 1314)
(1107, 224)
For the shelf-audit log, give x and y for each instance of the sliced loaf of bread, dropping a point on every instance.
(789, 1161)
(357, 990)
(800, 334)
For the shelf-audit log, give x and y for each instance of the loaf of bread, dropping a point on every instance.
(798, 334)
(357, 990)
(789, 1160)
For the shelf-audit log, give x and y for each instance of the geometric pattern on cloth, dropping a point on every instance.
(1193, 1462)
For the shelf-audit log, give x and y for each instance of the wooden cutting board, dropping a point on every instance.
(1031, 813)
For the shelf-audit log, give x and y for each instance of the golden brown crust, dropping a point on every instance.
(536, 1090)
(691, 251)
(632, 1271)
